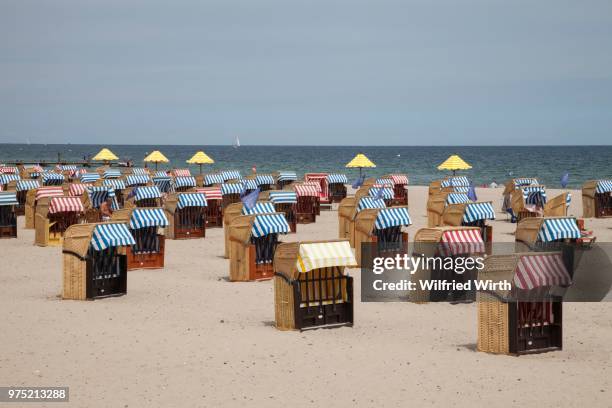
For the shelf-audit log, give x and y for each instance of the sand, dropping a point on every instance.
(186, 337)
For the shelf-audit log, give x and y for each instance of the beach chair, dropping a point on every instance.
(284, 202)
(515, 184)
(311, 287)
(437, 202)
(445, 242)
(265, 182)
(212, 179)
(284, 179)
(32, 198)
(471, 214)
(307, 204)
(320, 181)
(546, 233)
(138, 180)
(52, 179)
(163, 182)
(119, 187)
(92, 197)
(528, 318)
(336, 187)
(231, 193)
(388, 194)
(186, 213)
(528, 201)
(597, 198)
(400, 189)
(558, 205)
(214, 205)
(231, 176)
(148, 196)
(146, 226)
(363, 201)
(53, 216)
(253, 239)
(184, 184)
(95, 260)
(382, 228)
(8, 217)
(21, 189)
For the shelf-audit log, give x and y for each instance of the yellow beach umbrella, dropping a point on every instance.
(200, 158)
(156, 157)
(360, 161)
(105, 155)
(454, 163)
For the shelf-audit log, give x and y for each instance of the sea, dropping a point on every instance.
(489, 163)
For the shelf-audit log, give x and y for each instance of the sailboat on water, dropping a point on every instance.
(236, 143)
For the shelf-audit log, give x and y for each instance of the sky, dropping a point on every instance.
(354, 72)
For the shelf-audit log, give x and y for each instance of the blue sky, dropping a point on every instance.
(427, 72)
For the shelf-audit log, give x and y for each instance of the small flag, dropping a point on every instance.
(564, 180)
(250, 199)
(472, 192)
(359, 182)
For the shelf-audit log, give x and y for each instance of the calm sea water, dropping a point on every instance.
(489, 163)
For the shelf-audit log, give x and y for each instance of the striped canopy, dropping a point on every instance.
(259, 208)
(267, 224)
(47, 176)
(325, 254)
(25, 185)
(115, 184)
(231, 175)
(139, 171)
(148, 217)
(89, 177)
(161, 173)
(283, 197)
(305, 190)
(478, 211)
(249, 184)
(112, 173)
(211, 193)
(111, 235)
(65, 204)
(533, 271)
(457, 198)
(387, 192)
(392, 217)
(133, 180)
(401, 179)
(143, 193)
(99, 194)
(8, 198)
(66, 167)
(315, 184)
(385, 182)
(191, 200)
(163, 183)
(553, 229)
(337, 178)
(7, 178)
(210, 179)
(264, 179)
(232, 188)
(181, 173)
(187, 181)
(455, 242)
(287, 176)
(370, 202)
(76, 189)
(456, 181)
(603, 186)
(520, 182)
(9, 170)
(534, 195)
(49, 191)
(461, 189)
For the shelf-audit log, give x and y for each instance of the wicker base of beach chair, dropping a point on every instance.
(305, 218)
(146, 260)
(214, 214)
(9, 231)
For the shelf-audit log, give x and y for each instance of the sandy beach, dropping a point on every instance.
(184, 336)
